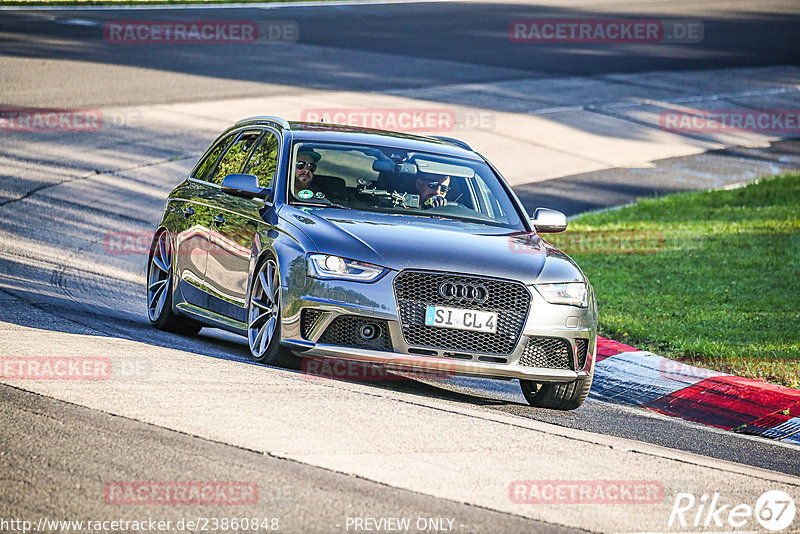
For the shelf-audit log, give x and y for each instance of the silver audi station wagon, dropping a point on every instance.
(411, 252)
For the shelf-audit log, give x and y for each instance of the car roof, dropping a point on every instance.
(315, 131)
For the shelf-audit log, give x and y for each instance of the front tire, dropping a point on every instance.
(264, 317)
(159, 289)
(568, 396)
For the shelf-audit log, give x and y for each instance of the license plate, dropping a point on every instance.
(473, 320)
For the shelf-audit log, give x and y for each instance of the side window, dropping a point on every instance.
(264, 161)
(233, 160)
(206, 167)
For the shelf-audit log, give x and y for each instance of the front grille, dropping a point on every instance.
(416, 289)
(547, 352)
(308, 320)
(344, 331)
(582, 348)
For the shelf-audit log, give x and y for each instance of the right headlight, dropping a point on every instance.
(570, 293)
(329, 267)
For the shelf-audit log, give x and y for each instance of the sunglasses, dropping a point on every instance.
(311, 166)
(437, 185)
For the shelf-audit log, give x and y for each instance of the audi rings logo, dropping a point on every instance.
(464, 292)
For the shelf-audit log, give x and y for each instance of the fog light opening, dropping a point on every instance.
(369, 331)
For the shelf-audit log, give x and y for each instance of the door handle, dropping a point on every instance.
(218, 220)
(188, 212)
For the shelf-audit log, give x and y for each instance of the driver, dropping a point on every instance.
(432, 189)
(304, 170)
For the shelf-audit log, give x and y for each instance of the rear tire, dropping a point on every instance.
(568, 396)
(159, 289)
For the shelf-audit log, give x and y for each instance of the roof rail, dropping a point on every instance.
(265, 118)
(453, 141)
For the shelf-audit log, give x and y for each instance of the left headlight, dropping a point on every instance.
(572, 293)
(327, 267)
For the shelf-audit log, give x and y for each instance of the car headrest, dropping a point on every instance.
(330, 185)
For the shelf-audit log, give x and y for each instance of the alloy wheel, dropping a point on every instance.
(158, 276)
(263, 314)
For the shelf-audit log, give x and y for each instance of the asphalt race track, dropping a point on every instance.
(78, 209)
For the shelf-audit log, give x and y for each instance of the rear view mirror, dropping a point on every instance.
(383, 165)
(245, 186)
(548, 221)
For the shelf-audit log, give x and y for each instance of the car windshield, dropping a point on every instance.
(391, 180)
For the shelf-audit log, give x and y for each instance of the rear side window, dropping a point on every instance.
(264, 161)
(206, 167)
(233, 160)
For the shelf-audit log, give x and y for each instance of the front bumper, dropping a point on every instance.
(330, 300)
(435, 366)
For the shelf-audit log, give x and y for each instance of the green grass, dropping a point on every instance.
(709, 278)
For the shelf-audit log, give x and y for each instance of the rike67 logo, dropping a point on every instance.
(773, 510)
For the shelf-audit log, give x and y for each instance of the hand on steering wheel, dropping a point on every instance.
(435, 202)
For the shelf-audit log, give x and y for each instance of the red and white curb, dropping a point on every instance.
(627, 375)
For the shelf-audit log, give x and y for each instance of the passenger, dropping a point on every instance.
(304, 170)
(432, 189)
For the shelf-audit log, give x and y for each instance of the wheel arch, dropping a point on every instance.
(289, 254)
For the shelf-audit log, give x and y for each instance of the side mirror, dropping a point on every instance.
(548, 221)
(245, 186)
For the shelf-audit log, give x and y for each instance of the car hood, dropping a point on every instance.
(408, 242)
